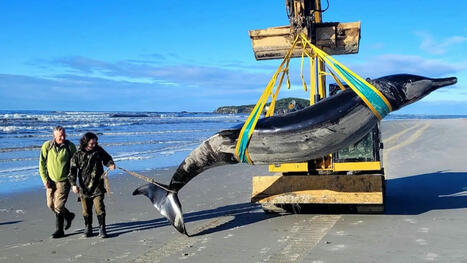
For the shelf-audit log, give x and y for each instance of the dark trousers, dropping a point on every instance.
(88, 202)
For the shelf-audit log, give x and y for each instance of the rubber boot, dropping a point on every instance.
(102, 230)
(69, 216)
(87, 226)
(59, 226)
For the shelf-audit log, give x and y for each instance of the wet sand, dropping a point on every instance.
(425, 218)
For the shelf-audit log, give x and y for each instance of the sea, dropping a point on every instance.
(137, 141)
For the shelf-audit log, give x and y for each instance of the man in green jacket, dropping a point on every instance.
(54, 165)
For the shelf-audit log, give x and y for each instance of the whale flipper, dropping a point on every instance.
(166, 203)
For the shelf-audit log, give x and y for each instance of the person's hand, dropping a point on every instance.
(46, 185)
(112, 167)
(75, 189)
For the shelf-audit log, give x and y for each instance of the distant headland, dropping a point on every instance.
(282, 106)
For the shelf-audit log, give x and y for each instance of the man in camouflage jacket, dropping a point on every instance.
(87, 165)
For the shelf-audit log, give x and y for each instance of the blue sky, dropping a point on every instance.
(196, 55)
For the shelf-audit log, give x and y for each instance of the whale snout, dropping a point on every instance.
(404, 89)
(442, 82)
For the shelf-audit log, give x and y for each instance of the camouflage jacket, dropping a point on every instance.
(88, 168)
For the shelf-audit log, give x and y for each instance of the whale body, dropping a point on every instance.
(325, 127)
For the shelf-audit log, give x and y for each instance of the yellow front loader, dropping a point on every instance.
(353, 176)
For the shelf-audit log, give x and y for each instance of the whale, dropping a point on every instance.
(313, 132)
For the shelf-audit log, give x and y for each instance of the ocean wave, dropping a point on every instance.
(16, 178)
(75, 125)
(8, 129)
(19, 169)
(134, 158)
(22, 128)
(150, 155)
(4, 120)
(22, 159)
(125, 115)
(20, 148)
(168, 153)
(17, 116)
(177, 148)
(47, 133)
(123, 143)
(156, 132)
(144, 142)
(81, 112)
(97, 125)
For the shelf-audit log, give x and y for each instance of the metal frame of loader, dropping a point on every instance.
(350, 178)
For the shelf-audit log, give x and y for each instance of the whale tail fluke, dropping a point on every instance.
(166, 203)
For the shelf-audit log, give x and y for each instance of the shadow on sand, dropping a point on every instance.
(10, 222)
(404, 196)
(243, 214)
(421, 193)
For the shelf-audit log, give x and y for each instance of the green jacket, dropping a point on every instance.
(88, 168)
(54, 161)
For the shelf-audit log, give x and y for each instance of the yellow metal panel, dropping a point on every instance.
(312, 80)
(318, 189)
(357, 166)
(321, 79)
(317, 15)
(288, 167)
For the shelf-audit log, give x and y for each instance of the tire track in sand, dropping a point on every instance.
(302, 238)
(412, 138)
(177, 247)
(399, 134)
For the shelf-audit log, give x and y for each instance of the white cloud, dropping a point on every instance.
(429, 45)
(395, 64)
(235, 75)
(140, 85)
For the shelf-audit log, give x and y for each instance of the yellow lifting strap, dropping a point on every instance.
(372, 97)
(250, 123)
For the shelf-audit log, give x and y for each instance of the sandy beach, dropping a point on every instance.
(425, 218)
